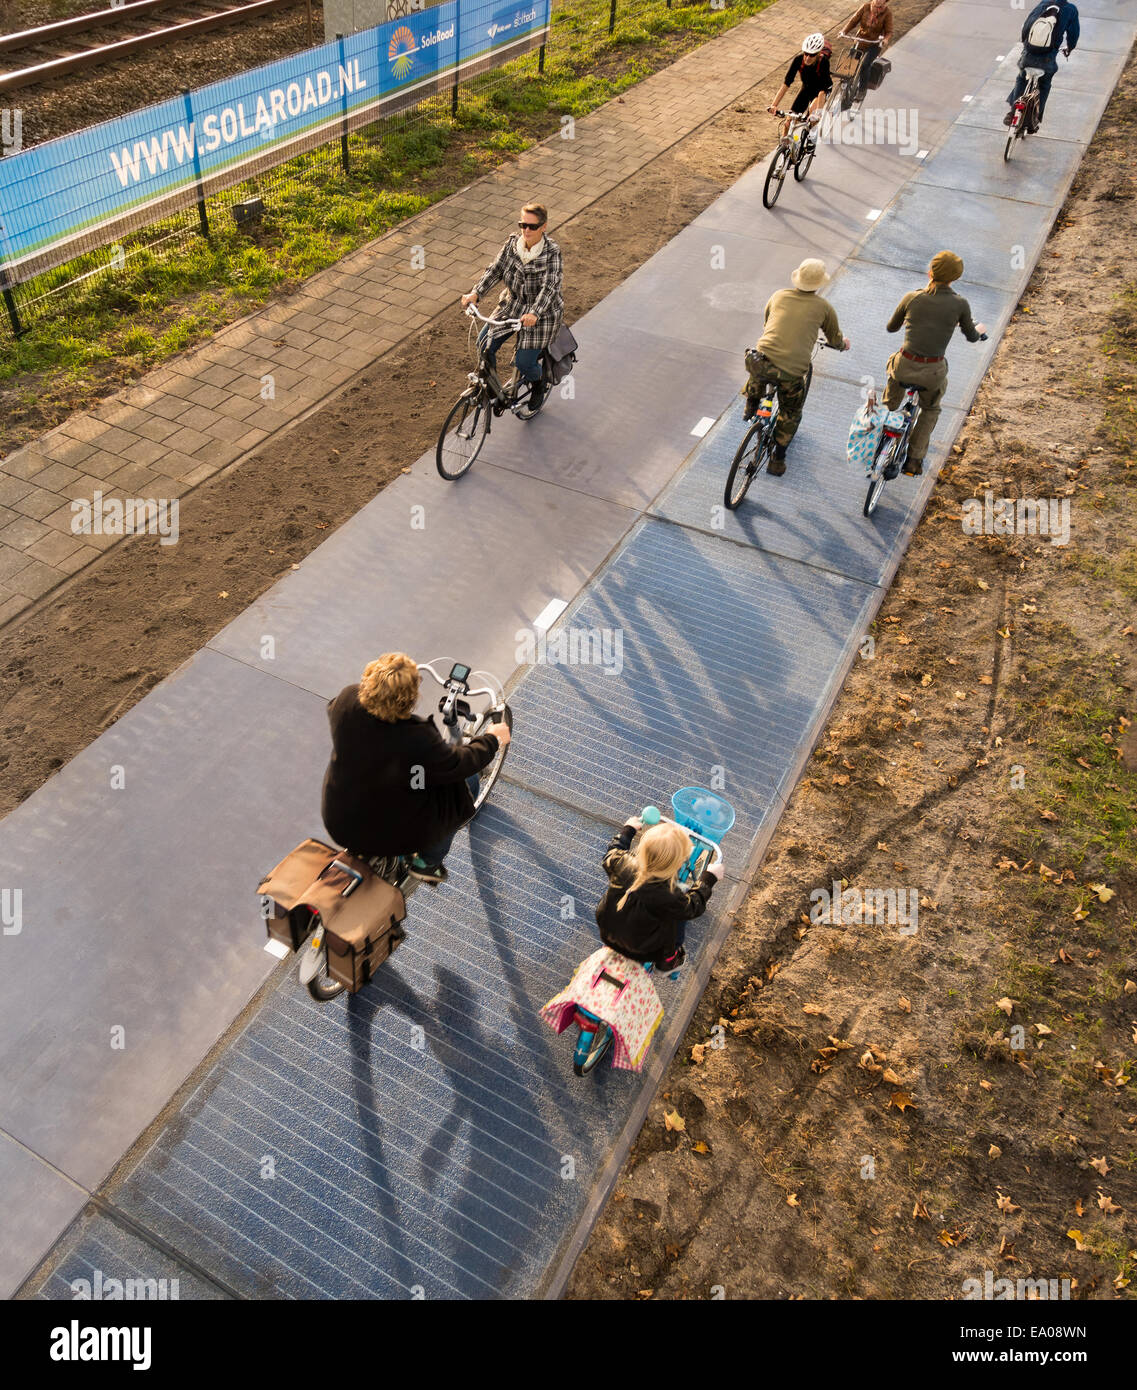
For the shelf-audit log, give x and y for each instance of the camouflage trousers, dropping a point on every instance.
(791, 391)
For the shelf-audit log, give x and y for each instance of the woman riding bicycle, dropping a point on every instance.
(811, 65)
(394, 785)
(643, 912)
(529, 265)
(929, 318)
(871, 31)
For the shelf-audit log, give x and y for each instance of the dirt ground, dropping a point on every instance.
(871, 1124)
(766, 1192)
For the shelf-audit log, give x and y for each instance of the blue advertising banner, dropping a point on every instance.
(134, 169)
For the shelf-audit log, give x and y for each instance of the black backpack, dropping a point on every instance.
(560, 355)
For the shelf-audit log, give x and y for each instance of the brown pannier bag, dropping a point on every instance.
(360, 912)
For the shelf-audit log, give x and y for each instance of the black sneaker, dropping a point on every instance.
(749, 410)
(913, 467)
(534, 401)
(777, 464)
(426, 873)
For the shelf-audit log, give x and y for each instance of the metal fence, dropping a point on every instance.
(353, 155)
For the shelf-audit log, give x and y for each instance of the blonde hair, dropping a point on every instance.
(660, 855)
(389, 686)
(538, 210)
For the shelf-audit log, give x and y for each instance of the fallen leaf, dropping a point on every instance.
(701, 1148)
(983, 584)
(839, 1042)
(815, 1009)
(841, 779)
(1100, 1164)
(984, 680)
(1079, 1209)
(1005, 1203)
(1065, 957)
(1007, 1250)
(1106, 1203)
(904, 1005)
(1077, 1238)
(645, 1293)
(792, 1201)
(1104, 893)
(902, 1100)
(698, 1052)
(986, 1085)
(1082, 763)
(866, 1063)
(890, 1076)
(904, 639)
(223, 594)
(994, 1151)
(920, 1211)
(673, 1120)
(1130, 987)
(1042, 1030)
(1005, 1004)
(1048, 815)
(960, 695)
(880, 781)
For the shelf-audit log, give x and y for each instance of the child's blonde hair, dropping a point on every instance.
(661, 853)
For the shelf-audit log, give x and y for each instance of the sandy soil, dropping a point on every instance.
(872, 1125)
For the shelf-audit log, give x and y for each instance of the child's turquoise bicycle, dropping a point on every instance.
(706, 817)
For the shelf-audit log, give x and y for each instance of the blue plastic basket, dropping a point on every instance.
(702, 810)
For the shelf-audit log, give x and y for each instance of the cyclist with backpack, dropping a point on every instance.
(811, 65)
(1047, 27)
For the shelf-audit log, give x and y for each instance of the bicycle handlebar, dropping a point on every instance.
(496, 696)
(716, 850)
(471, 312)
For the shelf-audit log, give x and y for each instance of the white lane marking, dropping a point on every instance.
(873, 214)
(702, 427)
(277, 948)
(921, 154)
(550, 613)
(967, 98)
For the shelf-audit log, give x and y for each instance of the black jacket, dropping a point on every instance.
(395, 788)
(649, 925)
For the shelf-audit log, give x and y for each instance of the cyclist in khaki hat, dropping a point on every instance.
(793, 319)
(930, 316)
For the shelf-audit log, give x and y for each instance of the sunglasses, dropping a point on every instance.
(530, 226)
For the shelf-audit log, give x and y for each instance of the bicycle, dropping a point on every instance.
(458, 720)
(596, 1037)
(795, 147)
(468, 423)
(757, 447)
(892, 450)
(845, 95)
(1025, 114)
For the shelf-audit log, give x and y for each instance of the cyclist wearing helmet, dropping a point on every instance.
(812, 66)
(871, 30)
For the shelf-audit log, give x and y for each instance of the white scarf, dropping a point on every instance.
(527, 254)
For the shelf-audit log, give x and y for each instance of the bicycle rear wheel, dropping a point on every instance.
(463, 434)
(748, 461)
(601, 1042)
(775, 176)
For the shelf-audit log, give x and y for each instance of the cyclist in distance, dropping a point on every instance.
(871, 29)
(529, 267)
(793, 319)
(811, 65)
(1045, 29)
(643, 913)
(394, 785)
(930, 316)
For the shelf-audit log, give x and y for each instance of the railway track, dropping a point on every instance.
(38, 55)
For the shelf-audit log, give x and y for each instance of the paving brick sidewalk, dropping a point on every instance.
(209, 408)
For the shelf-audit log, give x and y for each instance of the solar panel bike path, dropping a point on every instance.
(427, 1138)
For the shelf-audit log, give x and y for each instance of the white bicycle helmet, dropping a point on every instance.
(813, 43)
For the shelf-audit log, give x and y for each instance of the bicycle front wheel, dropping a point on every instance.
(463, 434)
(775, 176)
(805, 158)
(492, 771)
(748, 461)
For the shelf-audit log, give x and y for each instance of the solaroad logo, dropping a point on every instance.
(495, 29)
(401, 51)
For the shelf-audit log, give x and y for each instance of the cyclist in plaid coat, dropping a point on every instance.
(529, 266)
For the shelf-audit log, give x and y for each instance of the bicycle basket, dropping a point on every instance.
(703, 811)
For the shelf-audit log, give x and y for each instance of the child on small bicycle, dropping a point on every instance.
(811, 65)
(643, 913)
